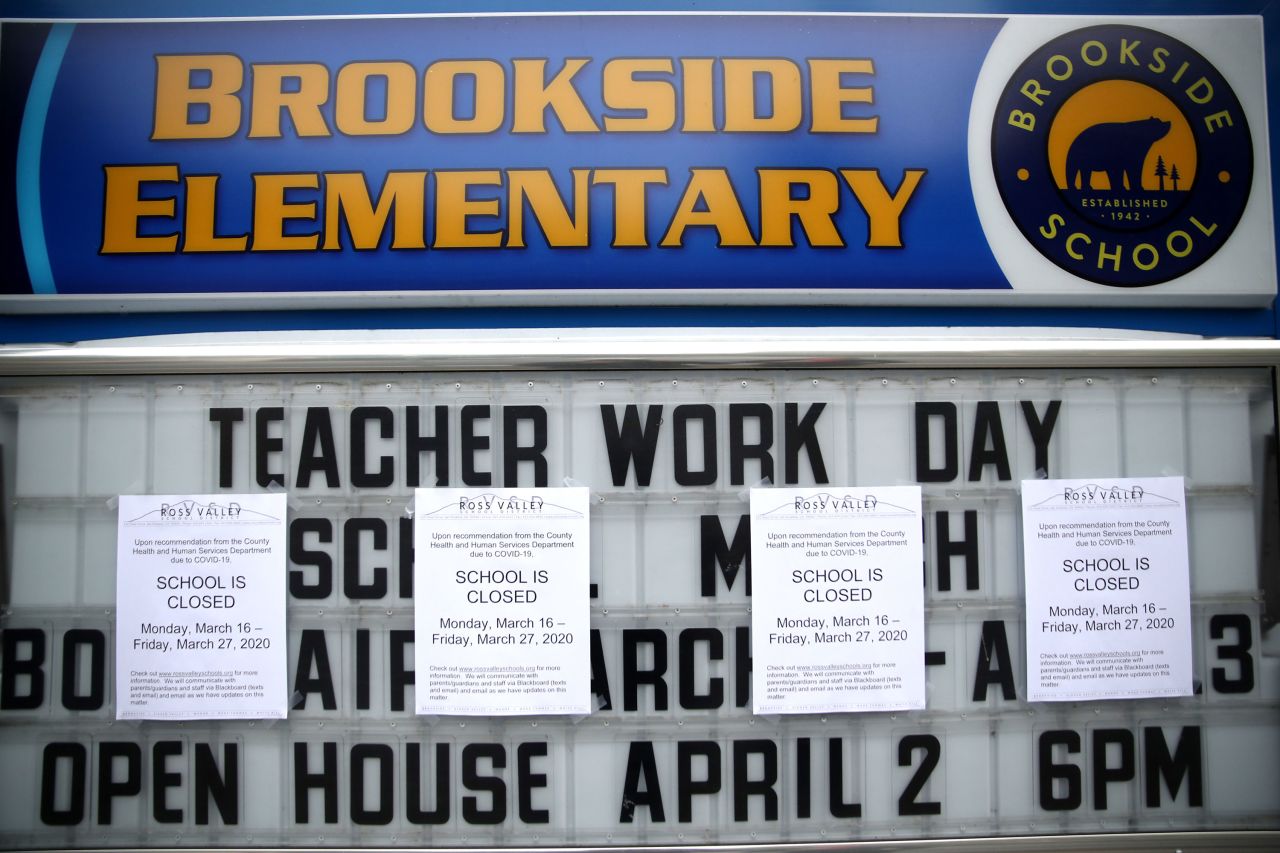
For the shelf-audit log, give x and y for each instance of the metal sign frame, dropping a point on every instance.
(629, 349)
(688, 349)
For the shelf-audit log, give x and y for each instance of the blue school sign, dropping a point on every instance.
(642, 158)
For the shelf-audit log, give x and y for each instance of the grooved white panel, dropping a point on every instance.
(671, 754)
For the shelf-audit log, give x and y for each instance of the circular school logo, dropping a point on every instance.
(1122, 155)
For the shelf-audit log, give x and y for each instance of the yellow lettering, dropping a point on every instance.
(699, 105)
(347, 201)
(548, 208)
(1181, 251)
(711, 189)
(740, 108)
(271, 210)
(270, 100)
(1206, 230)
(454, 208)
(828, 97)
(123, 208)
(656, 99)
(1201, 91)
(1114, 257)
(1098, 56)
(1059, 67)
(441, 80)
(1150, 251)
(1157, 63)
(1127, 49)
(779, 206)
(629, 202)
(1218, 120)
(1033, 91)
(1077, 237)
(1050, 229)
(201, 206)
(533, 95)
(175, 97)
(884, 211)
(351, 113)
(1026, 121)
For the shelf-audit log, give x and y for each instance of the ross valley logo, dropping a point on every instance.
(1122, 155)
(1094, 496)
(827, 504)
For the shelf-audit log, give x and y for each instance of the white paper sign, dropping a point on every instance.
(1107, 592)
(837, 616)
(200, 607)
(501, 601)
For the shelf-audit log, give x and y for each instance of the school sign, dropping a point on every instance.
(856, 159)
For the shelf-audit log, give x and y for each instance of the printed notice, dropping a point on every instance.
(200, 607)
(501, 605)
(837, 616)
(1108, 597)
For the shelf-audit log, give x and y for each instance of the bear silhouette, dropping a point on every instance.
(1115, 148)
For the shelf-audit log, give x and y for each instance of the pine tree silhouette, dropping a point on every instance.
(1174, 176)
(1161, 171)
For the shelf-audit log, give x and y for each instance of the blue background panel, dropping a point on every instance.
(582, 271)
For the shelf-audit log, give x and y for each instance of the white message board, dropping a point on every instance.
(1108, 589)
(671, 752)
(501, 616)
(200, 607)
(838, 624)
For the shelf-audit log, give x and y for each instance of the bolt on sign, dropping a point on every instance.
(669, 750)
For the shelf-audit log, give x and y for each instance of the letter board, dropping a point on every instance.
(671, 753)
